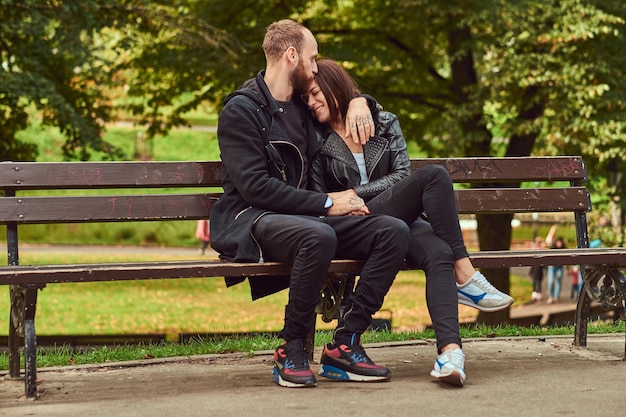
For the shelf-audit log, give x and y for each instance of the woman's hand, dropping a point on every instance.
(347, 203)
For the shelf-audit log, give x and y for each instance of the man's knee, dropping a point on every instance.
(322, 239)
(398, 231)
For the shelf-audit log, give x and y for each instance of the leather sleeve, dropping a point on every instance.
(389, 128)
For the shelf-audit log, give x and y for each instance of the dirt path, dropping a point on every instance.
(520, 377)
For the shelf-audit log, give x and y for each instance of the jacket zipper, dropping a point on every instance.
(282, 171)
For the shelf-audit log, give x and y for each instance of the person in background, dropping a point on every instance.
(378, 172)
(536, 273)
(555, 273)
(203, 235)
(577, 282)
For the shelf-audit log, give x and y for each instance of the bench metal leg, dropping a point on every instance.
(16, 330)
(22, 334)
(337, 287)
(605, 284)
(30, 343)
(582, 317)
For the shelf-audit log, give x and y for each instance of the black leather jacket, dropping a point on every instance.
(333, 167)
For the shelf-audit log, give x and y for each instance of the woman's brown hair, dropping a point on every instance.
(337, 86)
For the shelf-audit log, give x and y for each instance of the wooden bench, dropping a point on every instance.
(602, 267)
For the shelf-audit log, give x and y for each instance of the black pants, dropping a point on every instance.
(310, 243)
(434, 244)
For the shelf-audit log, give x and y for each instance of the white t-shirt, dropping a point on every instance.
(360, 161)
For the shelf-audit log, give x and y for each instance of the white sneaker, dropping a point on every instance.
(450, 367)
(477, 292)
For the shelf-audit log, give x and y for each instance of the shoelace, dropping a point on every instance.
(359, 355)
(456, 358)
(296, 355)
(482, 282)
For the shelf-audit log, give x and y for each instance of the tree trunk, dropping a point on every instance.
(494, 232)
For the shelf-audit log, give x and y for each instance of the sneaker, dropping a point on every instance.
(477, 292)
(449, 367)
(351, 363)
(291, 366)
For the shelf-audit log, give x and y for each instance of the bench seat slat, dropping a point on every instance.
(578, 256)
(40, 274)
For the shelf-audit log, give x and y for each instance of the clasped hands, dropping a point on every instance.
(347, 203)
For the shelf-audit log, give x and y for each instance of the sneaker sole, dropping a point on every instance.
(454, 378)
(485, 309)
(332, 372)
(284, 383)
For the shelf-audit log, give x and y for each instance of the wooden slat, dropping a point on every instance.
(520, 200)
(69, 175)
(72, 175)
(577, 256)
(66, 209)
(525, 169)
(73, 209)
(42, 274)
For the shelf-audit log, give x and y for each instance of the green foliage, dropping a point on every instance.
(46, 50)
(546, 78)
(65, 64)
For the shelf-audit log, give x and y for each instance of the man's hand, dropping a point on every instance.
(359, 122)
(347, 202)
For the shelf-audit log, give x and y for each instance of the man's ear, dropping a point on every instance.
(292, 55)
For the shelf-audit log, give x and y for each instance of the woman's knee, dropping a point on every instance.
(428, 251)
(438, 173)
(429, 175)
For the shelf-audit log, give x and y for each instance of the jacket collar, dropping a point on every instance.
(335, 147)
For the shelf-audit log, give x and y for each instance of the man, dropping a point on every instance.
(266, 139)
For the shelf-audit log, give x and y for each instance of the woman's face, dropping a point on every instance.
(317, 102)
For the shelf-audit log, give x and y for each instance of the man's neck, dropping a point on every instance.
(279, 84)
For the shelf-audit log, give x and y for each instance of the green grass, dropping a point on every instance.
(178, 145)
(64, 355)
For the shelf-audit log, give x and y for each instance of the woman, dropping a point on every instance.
(379, 173)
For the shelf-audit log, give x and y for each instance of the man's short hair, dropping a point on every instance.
(281, 35)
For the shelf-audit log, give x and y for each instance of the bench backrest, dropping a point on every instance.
(498, 179)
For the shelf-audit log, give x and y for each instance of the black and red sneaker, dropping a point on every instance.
(291, 366)
(351, 363)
